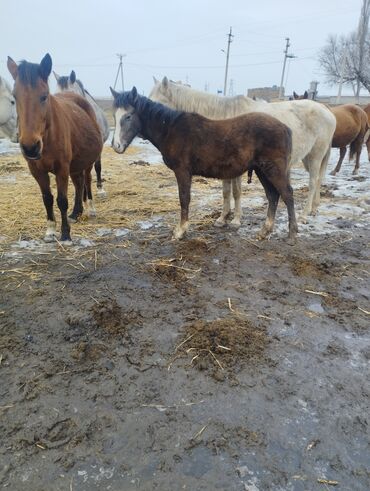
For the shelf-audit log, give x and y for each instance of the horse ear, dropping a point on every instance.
(134, 94)
(57, 77)
(295, 95)
(155, 80)
(165, 82)
(12, 67)
(114, 93)
(305, 95)
(45, 67)
(72, 77)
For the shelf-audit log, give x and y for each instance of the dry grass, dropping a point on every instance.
(134, 193)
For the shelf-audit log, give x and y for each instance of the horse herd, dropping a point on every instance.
(196, 132)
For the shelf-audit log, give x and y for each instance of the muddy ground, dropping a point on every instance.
(132, 362)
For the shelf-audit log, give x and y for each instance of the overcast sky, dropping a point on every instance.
(180, 39)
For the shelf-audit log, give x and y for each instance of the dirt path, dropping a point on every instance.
(138, 363)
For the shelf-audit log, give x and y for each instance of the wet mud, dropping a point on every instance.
(217, 362)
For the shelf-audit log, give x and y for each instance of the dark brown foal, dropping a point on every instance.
(194, 145)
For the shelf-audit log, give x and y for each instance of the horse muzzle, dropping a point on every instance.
(119, 147)
(32, 152)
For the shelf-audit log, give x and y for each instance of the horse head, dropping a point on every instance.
(69, 83)
(8, 114)
(127, 122)
(161, 92)
(31, 92)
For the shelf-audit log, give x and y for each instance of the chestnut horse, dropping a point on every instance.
(57, 134)
(194, 145)
(351, 128)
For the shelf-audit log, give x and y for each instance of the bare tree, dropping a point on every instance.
(346, 59)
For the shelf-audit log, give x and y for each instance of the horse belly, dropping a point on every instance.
(344, 137)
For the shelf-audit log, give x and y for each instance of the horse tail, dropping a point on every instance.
(367, 134)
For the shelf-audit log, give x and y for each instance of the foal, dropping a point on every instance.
(194, 145)
(57, 134)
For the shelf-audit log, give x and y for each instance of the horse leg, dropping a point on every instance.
(322, 171)
(184, 184)
(226, 192)
(43, 181)
(285, 190)
(91, 211)
(78, 182)
(273, 199)
(237, 191)
(101, 193)
(62, 200)
(357, 151)
(342, 154)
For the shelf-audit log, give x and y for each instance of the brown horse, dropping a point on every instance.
(352, 125)
(194, 145)
(57, 134)
(351, 128)
(367, 139)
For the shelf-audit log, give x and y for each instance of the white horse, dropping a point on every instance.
(8, 114)
(71, 84)
(312, 126)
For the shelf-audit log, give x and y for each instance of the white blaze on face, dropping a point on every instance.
(116, 144)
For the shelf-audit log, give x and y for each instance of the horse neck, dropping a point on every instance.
(209, 105)
(156, 120)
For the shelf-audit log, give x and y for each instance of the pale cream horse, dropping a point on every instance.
(312, 126)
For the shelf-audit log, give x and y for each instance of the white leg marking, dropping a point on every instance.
(51, 232)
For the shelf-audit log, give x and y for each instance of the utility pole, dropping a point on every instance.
(286, 55)
(229, 41)
(120, 71)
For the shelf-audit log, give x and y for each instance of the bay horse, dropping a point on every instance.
(72, 84)
(8, 114)
(57, 134)
(351, 128)
(194, 145)
(312, 128)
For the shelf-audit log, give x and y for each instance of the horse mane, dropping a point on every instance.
(29, 73)
(214, 106)
(63, 81)
(149, 109)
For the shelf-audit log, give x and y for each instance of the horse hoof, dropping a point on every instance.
(49, 238)
(66, 242)
(292, 240)
(235, 224)
(72, 219)
(101, 194)
(332, 173)
(220, 222)
(91, 213)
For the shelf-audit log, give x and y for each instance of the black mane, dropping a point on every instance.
(63, 81)
(29, 73)
(146, 107)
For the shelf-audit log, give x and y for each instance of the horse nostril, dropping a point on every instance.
(32, 151)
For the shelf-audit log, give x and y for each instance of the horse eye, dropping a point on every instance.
(43, 98)
(12, 102)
